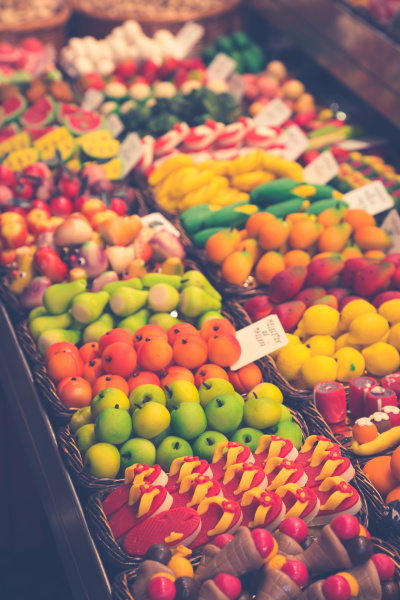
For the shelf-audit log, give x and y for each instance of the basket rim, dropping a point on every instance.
(39, 24)
(172, 17)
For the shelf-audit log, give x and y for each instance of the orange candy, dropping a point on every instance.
(365, 433)
(269, 265)
(257, 221)
(296, 258)
(393, 495)
(223, 349)
(154, 354)
(74, 392)
(180, 329)
(246, 378)
(209, 371)
(274, 234)
(395, 463)
(370, 237)
(379, 472)
(220, 245)
(216, 326)
(176, 373)
(237, 267)
(358, 218)
(190, 351)
(110, 381)
(304, 233)
(93, 370)
(375, 254)
(89, 351)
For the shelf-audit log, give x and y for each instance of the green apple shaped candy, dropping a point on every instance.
(239, 397)
(164, 320)
(224, 413)
(109, 398)
(133, 283)
(137, 450)
(180, 391)
(42, 324)
(207, 316)
(197, 279)
(85, 437)
(150, 420)
(146, 393)
(127, 301)
(261, 413)
(83, 416)
(188, 421)
(266, 390)
(134, 322)
(247, 436)
(151, 279)
(194, 302)
(171, 448)
(204, 446)
(161, 436)
(290, 431)
(286, 414)
(212, 387)
(163, 298)
(88, 307)
(103, 461)
(58, 297)
(53, 336)
(39, 311)
(113, 425)
(95, 330)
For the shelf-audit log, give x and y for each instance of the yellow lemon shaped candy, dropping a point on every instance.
(321, 345)
(291, 359)
(381, 359)
(293, 339)
(350, 363)
(320, 320)
(391, 311)
(367, 329)
(352, 310)
(318, 369)
(343, 342)
(394, 336)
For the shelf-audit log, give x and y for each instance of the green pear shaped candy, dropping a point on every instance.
(41, 324)
(53, 336)
(207, 316)
(134, 322)
(126, 301)
(39, 311)
(194, 302)
(164, 320)
(151, 279)
(58, 297)
(134, 283)
(163, 297)
(197, 279)
(88, 307)
(94, 331)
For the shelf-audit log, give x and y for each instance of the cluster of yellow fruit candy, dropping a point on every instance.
(329, 345)
(179, 183)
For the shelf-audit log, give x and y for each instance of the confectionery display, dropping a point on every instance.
(200, 261)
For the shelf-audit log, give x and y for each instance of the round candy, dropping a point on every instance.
(359, 549)
(228, 584)
(352, 581)
(345, 526)
(394, 414)
(294, 528)
(364, 431)
(263, 541)
(379, 471)
(381, 421)
(222, 540)
(297, 571)
(160, 588)
(180, 566)
(186, 588)
(336, 587)
(158, 552)
(365, 532)
(390, 590)
(384, 565)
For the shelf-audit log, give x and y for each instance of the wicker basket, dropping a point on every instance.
(50, 31)
(9, 298)
(218, 21)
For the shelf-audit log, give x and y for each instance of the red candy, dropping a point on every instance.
(384, 565)
(222, 540)
(119, 359)
(160, 588)
(345, 526)
(294, 528)
(264, 541)
(113, 336)
(336, 587)
(229, 585)
(297, 571)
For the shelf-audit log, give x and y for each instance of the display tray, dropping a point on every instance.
(351, 49)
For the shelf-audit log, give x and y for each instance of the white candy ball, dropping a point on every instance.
(139, 91)
(132, 30)
(105, 66)
(84, 65)
(164, 89)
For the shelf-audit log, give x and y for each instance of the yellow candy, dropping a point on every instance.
(367, 329)
(390, 310)
(350, 363)
(381, 359)
(320, 320)
(318, 369)
(321, 345)
(293, 339)
(353, 310)
(394, 336)
(291, 359)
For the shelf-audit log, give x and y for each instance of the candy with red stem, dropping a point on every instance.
(160, 588)
(279, 585)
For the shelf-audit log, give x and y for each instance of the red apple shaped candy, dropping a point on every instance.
(295, 528)
(345, 526)
(297, 571)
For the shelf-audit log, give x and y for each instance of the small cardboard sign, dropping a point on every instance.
(372, 198)
(115, 125)
(236, 87)
(275, 113)
(130, 152)
(92, 99)
(295, 142)
(158, 222)
(221, 68)
(321, 170)
(391, 224)
(259, 339)
(187, 38)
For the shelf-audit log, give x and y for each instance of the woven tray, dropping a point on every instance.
(218, 21)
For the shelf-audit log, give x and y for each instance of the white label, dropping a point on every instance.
(48, 56)
(157, 221)
(187, 37)
(372, 198)
(353, 145)
(275, 113)
(321, 170)
(391, 224)
(115, 125)
(259, 339)
(130, 152)
(221, 68)
(295, 142)
(236, 86)
(92, 99)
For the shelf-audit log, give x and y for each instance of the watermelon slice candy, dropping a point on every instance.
(13, 108)
(8, 131)
(37, 133)
(84, 122)
(40, 114)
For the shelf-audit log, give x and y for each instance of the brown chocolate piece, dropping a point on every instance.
(369, 584)
(313, 592)
(209, 551)
(286, 544)
(210, 591)
(276, 585)
(390, 590)
(146, 571)
(326, 555)
(236, 558)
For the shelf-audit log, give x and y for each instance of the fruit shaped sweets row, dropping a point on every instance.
(182, 186)
(234, 482)
(287, 565)
(249, 56)
(22, 62)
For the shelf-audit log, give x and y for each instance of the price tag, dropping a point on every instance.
(157, 221)
(130, 152)
(115, 125)
(321, 170)
(372, 197)
(354, 145)
(391, 224)
(236, 87)
(275, 113)
(221, 68)
(92, 99)
(187, 38)
(48, 56)
(259, 339)
(295, 142)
